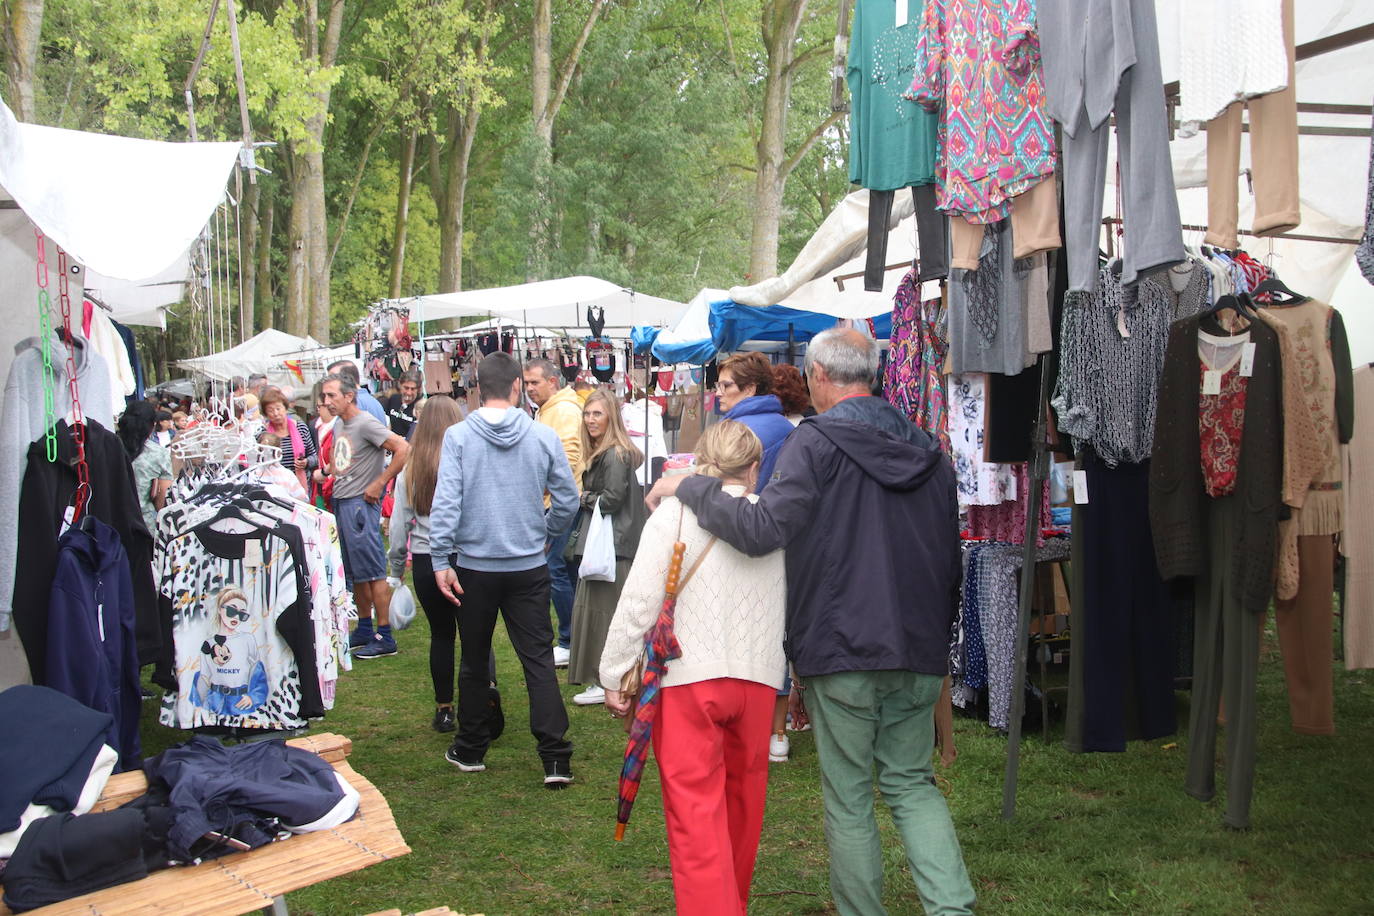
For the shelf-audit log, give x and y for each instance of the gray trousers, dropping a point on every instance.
(1225, 667)
(1150, 205)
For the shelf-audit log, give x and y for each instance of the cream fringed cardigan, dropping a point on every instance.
(729, 618)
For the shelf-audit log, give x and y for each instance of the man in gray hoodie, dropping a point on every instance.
(488, 535)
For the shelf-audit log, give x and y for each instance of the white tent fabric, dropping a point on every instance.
(263, 353)
(1332, 170)
(559, 304)
(142, 302)
(124, 207)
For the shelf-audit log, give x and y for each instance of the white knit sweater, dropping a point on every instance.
(729, 618)
(1228, 50)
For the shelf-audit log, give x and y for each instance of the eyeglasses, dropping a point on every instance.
(726, 384)
(234, 613)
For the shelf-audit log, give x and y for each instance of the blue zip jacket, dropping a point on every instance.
(92, 654)
(762, 413)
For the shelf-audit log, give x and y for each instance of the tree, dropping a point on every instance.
(781, 24)
(23, 26)
(546, 100)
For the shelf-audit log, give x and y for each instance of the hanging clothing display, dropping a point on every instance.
(1357, 541)
(1100, 57)
(1229, 51)
(47, 494)
(1364, 252)
(978, 67)
(92, 654)
(1122, 614)
(913, 380)
(999, 314)
(1225, 543)
(1273, 174)
(978, 482)
(1006, 521)
(1111, 354)
(1304, 617)
(100, 331)
(23, 421)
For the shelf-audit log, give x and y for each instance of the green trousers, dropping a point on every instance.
(884, 719)
(1225, 669)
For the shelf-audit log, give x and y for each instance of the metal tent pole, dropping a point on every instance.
(1039, 473)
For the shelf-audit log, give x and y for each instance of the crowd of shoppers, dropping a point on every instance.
(820, 528)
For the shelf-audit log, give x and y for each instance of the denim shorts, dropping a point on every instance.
(360, 536)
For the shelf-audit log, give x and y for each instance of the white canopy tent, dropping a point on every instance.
(560, 305)
(125, 210)
(268, 353)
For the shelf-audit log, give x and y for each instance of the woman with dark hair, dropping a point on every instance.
(745, 387)
(790, 388)
(163, 427)
(152, 463)
(410, 531)
(297, 445)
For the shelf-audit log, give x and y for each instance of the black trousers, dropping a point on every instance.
(442, 615)
(932, 233)
(522, 600)
(1127, 640)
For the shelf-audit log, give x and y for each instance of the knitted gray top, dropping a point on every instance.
(1109, 380)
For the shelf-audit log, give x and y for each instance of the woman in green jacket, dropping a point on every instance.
(610, 460)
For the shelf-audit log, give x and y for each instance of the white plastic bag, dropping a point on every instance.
(402, 610)
(598, 553)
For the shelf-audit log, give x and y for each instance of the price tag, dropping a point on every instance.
(1247, 359)
(1080, 487)
(1211, 381)
(901, 13)
(252, 554)
(67, 520)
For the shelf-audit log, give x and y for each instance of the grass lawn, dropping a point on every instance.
(1095, 833)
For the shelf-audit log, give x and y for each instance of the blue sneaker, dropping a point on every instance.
(360, 637)
(378, 647)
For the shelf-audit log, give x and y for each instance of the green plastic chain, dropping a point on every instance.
(45, 334)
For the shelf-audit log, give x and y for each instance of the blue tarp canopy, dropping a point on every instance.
(732, 326)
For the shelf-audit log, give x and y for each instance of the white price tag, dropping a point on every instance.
(1247, 359)
(1080, 487)
(67, 520)
(252, 554)
(1211, 381)
(901, 13)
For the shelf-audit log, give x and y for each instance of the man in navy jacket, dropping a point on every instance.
(864, 503)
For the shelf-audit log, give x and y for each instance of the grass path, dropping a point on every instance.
(1096, 833)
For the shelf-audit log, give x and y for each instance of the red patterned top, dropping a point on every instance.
(1221, 424)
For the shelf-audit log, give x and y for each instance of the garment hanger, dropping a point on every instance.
(1273, 287)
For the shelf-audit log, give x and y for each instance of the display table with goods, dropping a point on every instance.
(244, 882)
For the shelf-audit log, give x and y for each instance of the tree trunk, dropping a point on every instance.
(317, 246)
(398, 236)
(450, 185)
(781, 21)
(263, 300)
(23, 29)
(298, 276)
(248, 256)
(546, 100)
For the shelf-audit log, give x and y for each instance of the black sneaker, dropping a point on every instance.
(452, 757)
(497, 723)
(557, 774)
(443, 719)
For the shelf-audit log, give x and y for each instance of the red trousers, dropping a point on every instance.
(711, 743)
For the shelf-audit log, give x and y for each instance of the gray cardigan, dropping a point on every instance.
(403, 521)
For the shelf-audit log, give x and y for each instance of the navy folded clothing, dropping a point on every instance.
(65, 856)
(50, 744)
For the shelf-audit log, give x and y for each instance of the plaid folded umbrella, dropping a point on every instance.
(660, 645)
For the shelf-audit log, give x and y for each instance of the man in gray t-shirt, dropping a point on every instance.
(361, 473)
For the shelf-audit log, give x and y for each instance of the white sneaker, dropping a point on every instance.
(561, 657)
(778, 748)
(592, 696)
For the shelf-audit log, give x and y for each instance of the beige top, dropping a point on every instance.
(729, 617)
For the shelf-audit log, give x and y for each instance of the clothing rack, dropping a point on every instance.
(1295, 236)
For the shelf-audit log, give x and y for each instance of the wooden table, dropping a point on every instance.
(246, 882)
